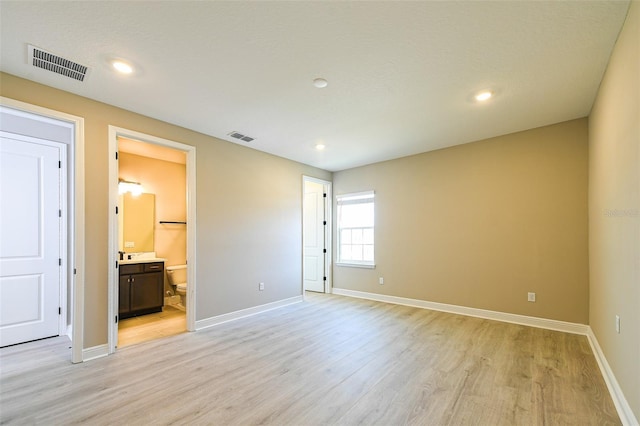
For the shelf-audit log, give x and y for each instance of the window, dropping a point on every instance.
(355, 229)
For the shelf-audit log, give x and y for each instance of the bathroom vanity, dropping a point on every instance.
(141, 288)
(141, 273)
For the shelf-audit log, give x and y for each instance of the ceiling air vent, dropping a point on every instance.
(51, 62)
(240, 136)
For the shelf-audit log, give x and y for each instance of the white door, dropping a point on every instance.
(30, 227)
(314, 237)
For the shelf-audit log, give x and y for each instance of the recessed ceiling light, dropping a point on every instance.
(122, 67)
(320, 146)
(484, 95)
(320, 83)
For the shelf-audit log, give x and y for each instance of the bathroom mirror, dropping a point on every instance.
(137, 222)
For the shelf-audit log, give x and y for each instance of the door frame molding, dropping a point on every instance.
(328, 231)
(190, 151)
(75, 224)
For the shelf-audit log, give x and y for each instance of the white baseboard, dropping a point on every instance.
(232, 316)
(622, 406)
(567, 327)
(95, 352)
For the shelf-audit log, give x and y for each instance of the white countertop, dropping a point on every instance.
(145, 257)
(141, 260)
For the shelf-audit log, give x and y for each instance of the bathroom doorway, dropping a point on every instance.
(152, 182)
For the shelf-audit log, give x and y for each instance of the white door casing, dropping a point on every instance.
(20, 118)
(190, 152)
(314, 237)
(30, 248)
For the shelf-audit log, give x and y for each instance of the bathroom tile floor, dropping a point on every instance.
(169, 322)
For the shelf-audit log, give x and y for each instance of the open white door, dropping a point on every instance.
(30, 247)
(314, 237)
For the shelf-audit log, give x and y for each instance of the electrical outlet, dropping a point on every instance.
(618, 324)
(261, 286)
(381, 280)
(531, 297)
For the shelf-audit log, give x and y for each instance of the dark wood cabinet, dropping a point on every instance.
(140, 289)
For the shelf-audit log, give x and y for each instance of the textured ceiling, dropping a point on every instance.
(401, 74)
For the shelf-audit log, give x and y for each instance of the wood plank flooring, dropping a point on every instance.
(328, 361)
(140, 329)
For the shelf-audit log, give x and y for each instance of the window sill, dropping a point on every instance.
(357, 265)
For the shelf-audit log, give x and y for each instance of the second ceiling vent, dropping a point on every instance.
(237, 135)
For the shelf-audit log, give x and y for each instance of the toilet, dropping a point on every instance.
(178, 279)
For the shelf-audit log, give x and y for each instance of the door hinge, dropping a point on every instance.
(59, 310)
(59, 213)
(59, 164)
(116, 155)
(324, 250)
(116, 209)
(116, 319)
(116, 264)
(324, 195)
(59, 261)
(324, 278)
(324, 223)
(75, 271)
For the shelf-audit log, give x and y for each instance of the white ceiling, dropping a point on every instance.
(401, 74)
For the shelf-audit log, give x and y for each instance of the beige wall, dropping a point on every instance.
(168, 181)
(249, 210)
(482, 224)
(614, 210)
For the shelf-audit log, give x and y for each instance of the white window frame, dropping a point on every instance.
(364, 197)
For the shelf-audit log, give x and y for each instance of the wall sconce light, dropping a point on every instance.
(135, 188)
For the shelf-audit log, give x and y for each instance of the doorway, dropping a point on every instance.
(60, 181)
(316, 235)
(152, 186)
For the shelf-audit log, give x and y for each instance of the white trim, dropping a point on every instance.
(363, 195)
(329, 237)
(567, 327)
(622, 406)
(64, 240)
(190, 151)
(191, 238)
(77, 249)
(95, 352)
(75, 217)
(328, 230)
(357, 265)
(243, 313)
(112, 245)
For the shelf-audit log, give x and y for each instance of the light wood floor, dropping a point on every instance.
(329, 360)
(169, 322)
